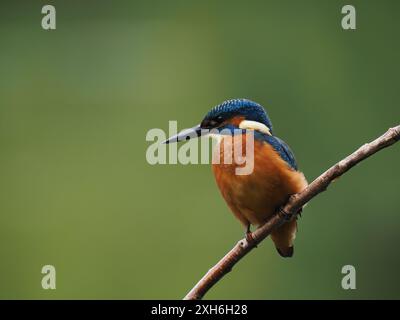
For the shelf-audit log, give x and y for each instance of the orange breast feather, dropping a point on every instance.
(255, 197)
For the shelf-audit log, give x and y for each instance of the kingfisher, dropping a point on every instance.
(253, 198)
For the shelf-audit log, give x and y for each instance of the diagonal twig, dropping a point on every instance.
(294, 204)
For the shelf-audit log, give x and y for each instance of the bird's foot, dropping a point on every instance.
(250, 239)
(284, 215)
(300, 211)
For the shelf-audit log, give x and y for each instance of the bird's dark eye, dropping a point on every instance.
(212, 123)
(217, 120)
(209, 123)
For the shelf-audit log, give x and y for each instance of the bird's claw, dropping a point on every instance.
(250, 239)
(284, 215)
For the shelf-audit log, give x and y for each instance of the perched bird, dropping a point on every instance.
(254, 197)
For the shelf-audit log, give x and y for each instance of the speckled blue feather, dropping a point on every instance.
(249, 109)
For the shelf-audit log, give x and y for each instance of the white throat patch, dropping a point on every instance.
(254, 125)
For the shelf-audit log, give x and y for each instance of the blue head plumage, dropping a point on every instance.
(250, 110)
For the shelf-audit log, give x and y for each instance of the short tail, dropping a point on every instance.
(283, 238)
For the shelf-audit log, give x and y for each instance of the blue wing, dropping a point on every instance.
(280, 146)
(287, 154)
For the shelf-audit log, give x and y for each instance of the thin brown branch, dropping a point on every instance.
(295, 202)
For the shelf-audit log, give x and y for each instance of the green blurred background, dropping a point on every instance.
(76, 103)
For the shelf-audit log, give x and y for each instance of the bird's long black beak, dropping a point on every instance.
(187, 134)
